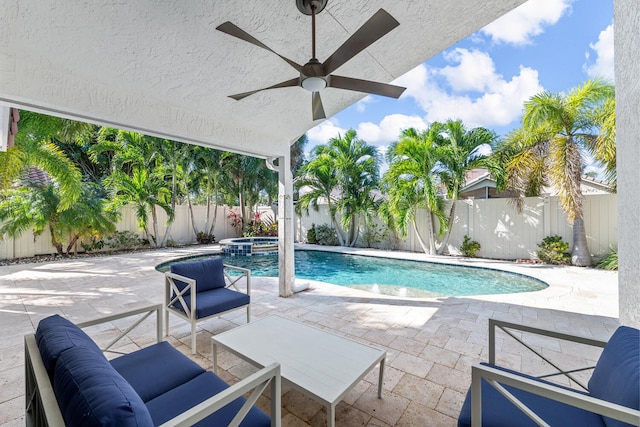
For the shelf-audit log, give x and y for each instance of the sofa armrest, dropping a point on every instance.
(256, 383)
(173, 294)
(508, 327)
(41, 404)
(496, 377)
(245, 272)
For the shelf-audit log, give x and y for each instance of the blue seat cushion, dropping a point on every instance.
(154, 370)
(91, 393)
(497, 411)
(216, 301)
(208, 274)
(167, 406)
(616, 377)
(56, 334)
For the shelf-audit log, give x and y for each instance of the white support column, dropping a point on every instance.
(627, 50)
(286, 231)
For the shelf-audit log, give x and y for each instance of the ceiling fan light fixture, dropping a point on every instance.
(314, 84)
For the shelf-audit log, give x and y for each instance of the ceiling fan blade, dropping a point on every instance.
(366, 86)
(288, 83)
(235, 31)
(316, 107)
(376, 27)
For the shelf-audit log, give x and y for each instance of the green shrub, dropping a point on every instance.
(469, 247)
(311, 235)
(609, 262)
(553, 250)
(205, 238)
(373, 235)
(122, 240)
(326, 235)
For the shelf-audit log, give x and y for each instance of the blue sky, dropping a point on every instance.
(550, 45)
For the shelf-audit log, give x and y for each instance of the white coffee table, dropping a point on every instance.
(322, 365)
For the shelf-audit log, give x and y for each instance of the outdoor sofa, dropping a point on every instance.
(200, 290)
(69, 382)
(500, 397)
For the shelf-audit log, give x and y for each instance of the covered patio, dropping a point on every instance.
(431, 343)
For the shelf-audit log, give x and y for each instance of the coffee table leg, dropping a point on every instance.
(381, 377)
(214, 352)
(331, 416)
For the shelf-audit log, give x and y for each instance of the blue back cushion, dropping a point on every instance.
(208, 273)
(56, 334)
(156, 369)
(616, 377)
(91, 393)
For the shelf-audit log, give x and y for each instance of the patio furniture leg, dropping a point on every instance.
(331, 416)
(193, 337)
(214, 352)
(248, 313)
(381, 377)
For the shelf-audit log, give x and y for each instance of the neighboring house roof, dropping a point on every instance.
(481, 178)
(35, 176)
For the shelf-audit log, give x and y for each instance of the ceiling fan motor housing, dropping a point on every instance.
(304, 6)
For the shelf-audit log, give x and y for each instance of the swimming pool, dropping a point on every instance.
(390, 276)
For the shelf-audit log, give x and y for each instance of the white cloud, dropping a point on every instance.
(361, 105)
(475, 70)
(439, 91)
(603, 48)
(519, 26)
(324, 132)
(388, 130)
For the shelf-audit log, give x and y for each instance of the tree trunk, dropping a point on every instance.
(193, 221)
(431, 234)
(154, 217)
(580, 256)
(420, 240)
(336, 226)
(445, 239)
(72, 242)
(54, 241)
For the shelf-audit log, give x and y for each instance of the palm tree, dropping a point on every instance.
(411, 183)
(146, 192)
(36, 145)
(556, 130)
(356, 164)
(319, 179)
(459, 152)
(38, 207)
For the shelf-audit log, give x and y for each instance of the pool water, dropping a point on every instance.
(391, 276)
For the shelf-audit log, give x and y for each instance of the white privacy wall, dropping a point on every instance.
(502, 232)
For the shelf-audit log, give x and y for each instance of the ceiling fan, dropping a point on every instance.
(314, 75)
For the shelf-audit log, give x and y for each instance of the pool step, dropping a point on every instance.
(255, 249)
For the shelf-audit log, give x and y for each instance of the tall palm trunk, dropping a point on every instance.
(154, 217)
(452, 216)
(580, 255)
(193, 220)
(420, 240)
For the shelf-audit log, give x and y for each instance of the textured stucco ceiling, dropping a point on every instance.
(160, 67)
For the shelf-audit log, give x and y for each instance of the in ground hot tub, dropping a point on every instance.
(247, 246)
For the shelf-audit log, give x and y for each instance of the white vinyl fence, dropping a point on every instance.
(181, 230)
(502, 232)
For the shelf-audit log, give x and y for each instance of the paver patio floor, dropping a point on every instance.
(431, 343)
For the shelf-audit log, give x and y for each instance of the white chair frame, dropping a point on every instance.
(41, 405)
(189, 314)
(497, 378)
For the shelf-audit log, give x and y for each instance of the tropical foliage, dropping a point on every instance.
(344, 174)
(93, 171)
(557, 131)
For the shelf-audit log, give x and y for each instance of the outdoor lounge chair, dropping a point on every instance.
(502, 397)
(200, 290)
